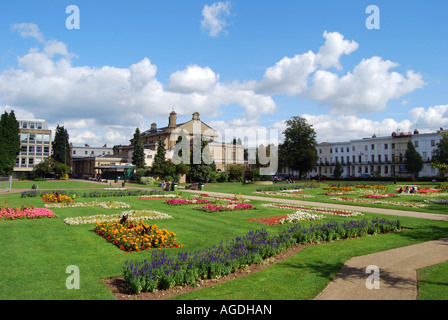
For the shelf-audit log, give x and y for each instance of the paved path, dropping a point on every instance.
(396, 269)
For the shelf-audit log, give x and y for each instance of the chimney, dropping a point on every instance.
(196, 116)
(172, 120)
(153, 126)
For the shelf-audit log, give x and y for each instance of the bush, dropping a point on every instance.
(222, 177)
(148, 180)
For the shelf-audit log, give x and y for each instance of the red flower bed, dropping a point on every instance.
(269, 220)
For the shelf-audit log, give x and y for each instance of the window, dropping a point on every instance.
(39, 125)
(372, 147)
(433, 143)
(393, 145)
(39, 138)
(365, 147)
(85, 152)
(379, 158)
(24, 137)
(74, 151)
(416, 144)
(386, 146)
(32, 138)
(336, 150)
(46, 139)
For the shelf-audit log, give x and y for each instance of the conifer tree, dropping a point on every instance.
(9, 142)
(138, 155)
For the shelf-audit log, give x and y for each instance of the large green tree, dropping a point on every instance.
(61, 146)
(298, 151)
(201, 163)
(413, 160)
(441, 152)
(161, 167)
(9, 142)
(138, 155)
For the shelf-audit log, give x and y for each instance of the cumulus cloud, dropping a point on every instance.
(47, 83)
(340, 128)
(368, 88)
(193, 79)
(213, 21)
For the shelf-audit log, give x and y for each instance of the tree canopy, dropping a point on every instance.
(61, 146)
(138, 155)
(9, 142)
(413, 161)
(299, 150)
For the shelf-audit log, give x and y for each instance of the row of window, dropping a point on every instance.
(91, 152)
(32, 138)
(25, 162)
(394, 158)
(35, 150)
(31, 125)
(372, 147)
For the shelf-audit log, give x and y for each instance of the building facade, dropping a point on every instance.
(223, 154)
(377, 156)
(35, 142)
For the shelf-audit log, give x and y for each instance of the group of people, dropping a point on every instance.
(167, 186)
(408, 189)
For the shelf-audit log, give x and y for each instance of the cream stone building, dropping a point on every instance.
(223, 154)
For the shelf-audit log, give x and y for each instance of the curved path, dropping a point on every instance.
(386, 275)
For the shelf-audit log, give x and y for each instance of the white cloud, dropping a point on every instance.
(27, 30)
(335, 46)
(213, 20)
(193, 79)
(367, 89)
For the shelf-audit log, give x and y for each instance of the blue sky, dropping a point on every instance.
(241, 64)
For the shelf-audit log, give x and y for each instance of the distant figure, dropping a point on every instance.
(407, 190)
(400, 190)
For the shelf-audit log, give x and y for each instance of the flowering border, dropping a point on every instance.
(104, 204)
(330, 211)
(140, 214)
(392, 203)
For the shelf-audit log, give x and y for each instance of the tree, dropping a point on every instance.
(413, 161)
(200, 170)
(441, 152)
(138, 155)
(9, 142)
(299, 150)
(61, 146)
(161, 167)
(236, 172)
(337, 170)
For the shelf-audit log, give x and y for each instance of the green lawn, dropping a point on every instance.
(318, 196)
(36, 253)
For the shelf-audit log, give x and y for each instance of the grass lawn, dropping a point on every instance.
(317, 195)
(36, 253)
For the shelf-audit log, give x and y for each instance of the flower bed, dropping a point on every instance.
(235, 199)
(130, 235)
(26, 212)
(337, 188)
(157, 197)
(103, 204)
(437, 201)
(179, 202)
(56, 197)
(140, 214)
(161, 272)
(338, 212)
(378, 196)
(392, 203)
(232, 206)
(284, 194)
(298, 216)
